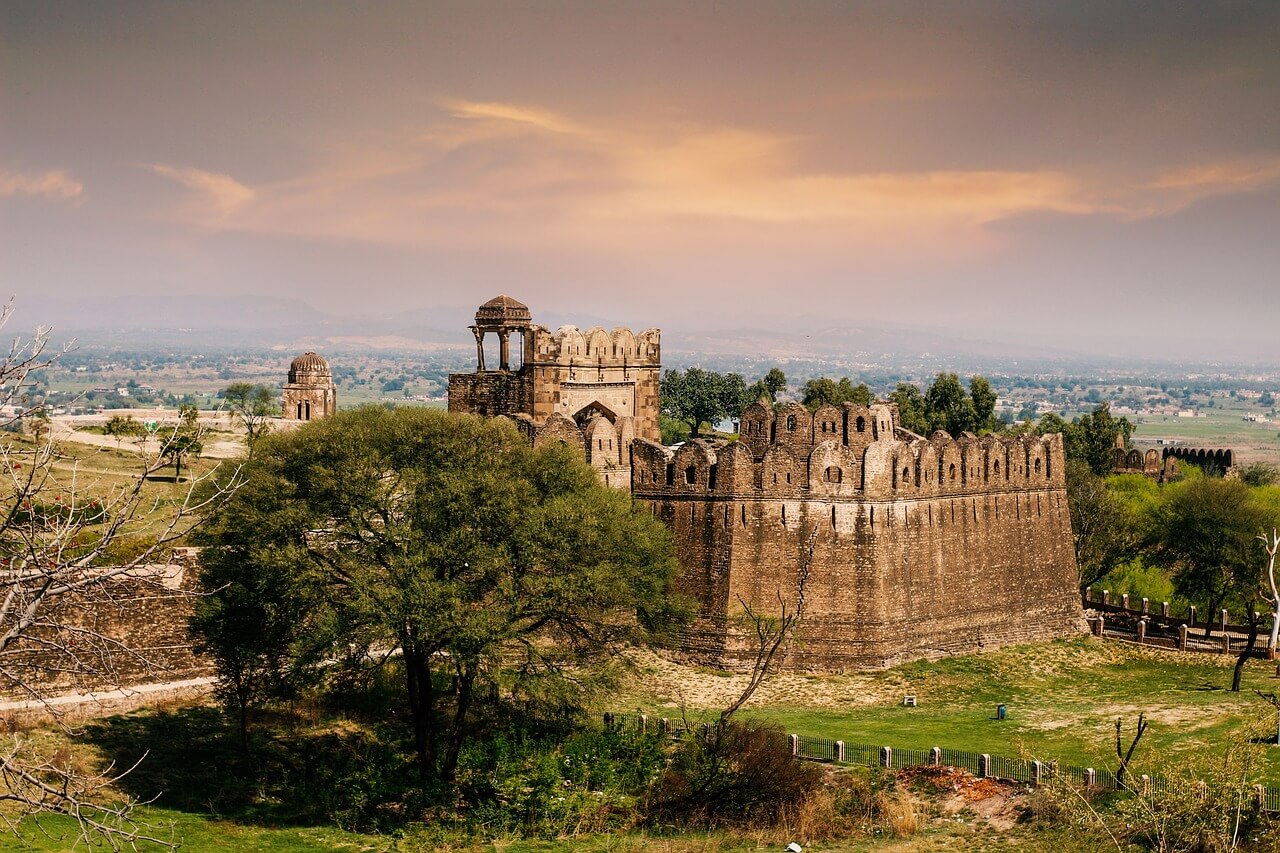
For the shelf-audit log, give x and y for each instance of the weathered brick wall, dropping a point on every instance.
(124, 632)
(912, 549)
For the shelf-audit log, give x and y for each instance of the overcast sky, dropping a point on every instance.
(1096, 175)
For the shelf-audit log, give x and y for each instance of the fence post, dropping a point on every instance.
(1226, 644)
(1099, 625)
(1202, 790)
(1124, 600)
(1090, 777)
(1191, 616)
(608, 720)
(840, 751)
(1182, 638)
(1146, 606)
(886, 756)
(984, 765)
(1142, 630)
(1164, 609)
(1037, 773)
(935, 756)
(1145, 782)
(706, 731)
(664, 726)
(795, 744)
(1106, 596)
(644, 724)
(1224, 618)
(1260, 794)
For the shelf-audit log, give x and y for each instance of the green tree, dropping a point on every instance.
(698, 396)
(823, 391)
(254, 406)
(912, 414)
(769, 386)
(1103, 529)
(450, 540)
(1205, 531)
(121, 427)
(185, 438)
(984, 403)
(949, 407)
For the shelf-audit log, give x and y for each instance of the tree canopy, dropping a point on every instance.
(947, 406)
(254, 406)
(445, 539)
(823, 391)
(696, 396)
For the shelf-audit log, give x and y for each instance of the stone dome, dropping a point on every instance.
(309, 368)
(503, 311)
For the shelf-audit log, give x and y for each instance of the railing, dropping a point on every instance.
(983, 765)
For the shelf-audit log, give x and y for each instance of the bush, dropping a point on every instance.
(742, 774)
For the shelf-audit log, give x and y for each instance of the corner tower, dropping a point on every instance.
(310, 393)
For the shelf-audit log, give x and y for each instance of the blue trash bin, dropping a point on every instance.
(1001, 710)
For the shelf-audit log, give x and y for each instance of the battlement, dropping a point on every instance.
(569, 346)
(883, 468)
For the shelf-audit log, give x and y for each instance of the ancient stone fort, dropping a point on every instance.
(890, 545)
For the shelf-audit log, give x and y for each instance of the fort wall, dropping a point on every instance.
(890, 549)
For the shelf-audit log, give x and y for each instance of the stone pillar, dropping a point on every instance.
(644, 723)
(475, 330)
(1098, 625)
(935, 756)
(1145, 782)
(1037, 773)
(984, 765)
(1224, 618)
(1124, 600)
(1182, 638)
(1164, 609)
(1106, 596)
(795, 744)
(1142, 630)
(1146, 606)
(1226, 644)
(840, 753)
(886, 756)
(664, 726)
(504, 350)
(1090, 777)
(1191, 616)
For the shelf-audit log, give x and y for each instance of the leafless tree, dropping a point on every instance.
(75, 547)
(1271, 594)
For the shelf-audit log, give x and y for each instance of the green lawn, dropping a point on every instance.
(1063, 699)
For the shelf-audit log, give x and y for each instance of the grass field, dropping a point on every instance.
(1063, 700)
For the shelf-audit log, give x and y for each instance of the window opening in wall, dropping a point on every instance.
(861, 424)
(671, 474)
(873, 516)
(953, 472)
(788, 476)
(1037, 466)
(711, 477)
(833, 474)
(606, 479)
(975, 510)
(791, 423)
(906, 475)
(1037, 504)
(784, 515)
(692, 507)
(726, 515)
(744, 515)
(995, 467)
(691, 475)
(775, 478)
(833, 517)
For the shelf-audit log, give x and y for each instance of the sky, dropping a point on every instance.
(1103, 177)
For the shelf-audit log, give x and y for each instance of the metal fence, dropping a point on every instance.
(983, 765)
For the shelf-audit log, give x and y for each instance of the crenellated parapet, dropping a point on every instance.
(570, 346)
(794, 466)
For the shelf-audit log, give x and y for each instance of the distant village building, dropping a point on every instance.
(310, 393)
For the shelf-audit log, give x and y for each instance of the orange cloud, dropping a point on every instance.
(55, 184)
(495, 174)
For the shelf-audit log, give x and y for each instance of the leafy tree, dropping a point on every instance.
(1260, 474)
(254, 406)
(1090, 437)
(698, 396)
(912, 413)
(447, 539)
(948, 406)
(823, 391)
(183, 439)
(769, 386)
(1205, 531)
(984, 403)
(1103, 529)
(121, 427)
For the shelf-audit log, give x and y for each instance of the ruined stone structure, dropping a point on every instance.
(1220, 462)
(310, 393)
(593, 390)
(1161, 468)
(890, 545)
